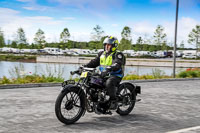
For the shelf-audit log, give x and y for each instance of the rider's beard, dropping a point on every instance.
(107, 50)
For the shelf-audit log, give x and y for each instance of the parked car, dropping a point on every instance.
(189, 56)
(6, 49)
(168, 54)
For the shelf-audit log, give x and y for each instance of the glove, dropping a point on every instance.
(104, 74)
(80, 69)
(108, 69)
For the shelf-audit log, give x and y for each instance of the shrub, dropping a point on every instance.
(5, 80)
(146, 77)
(190, 73)
(11, 57)
(157, 73)
(131, 77)
(183, 74)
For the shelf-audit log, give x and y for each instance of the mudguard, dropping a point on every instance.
(80, 91)
(136, 88)
(72, 87)
(69, 87)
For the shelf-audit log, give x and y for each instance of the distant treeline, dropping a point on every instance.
(157, 42)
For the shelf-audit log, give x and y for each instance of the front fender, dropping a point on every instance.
(69, 87)
(73, 87)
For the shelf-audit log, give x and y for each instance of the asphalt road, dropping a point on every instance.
(165, 107)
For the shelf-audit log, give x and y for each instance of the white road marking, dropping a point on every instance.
(184, 130)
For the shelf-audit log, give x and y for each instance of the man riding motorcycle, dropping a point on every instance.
(111, 64)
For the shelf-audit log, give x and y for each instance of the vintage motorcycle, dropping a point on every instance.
(89, 94)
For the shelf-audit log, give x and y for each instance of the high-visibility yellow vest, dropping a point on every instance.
(107, 61)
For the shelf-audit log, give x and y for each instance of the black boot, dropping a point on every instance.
(113, 104)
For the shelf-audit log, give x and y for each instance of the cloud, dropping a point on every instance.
(162, 1)
(80, 36)
(185, 26)
(182, 3)
(32, 5)
(7, 15)
(114, 25)
(11, 21)
(8, 11)
(68, 18)
(25, 0)
(97, 4)
(143, 27)
(36, 8)
(97, 8)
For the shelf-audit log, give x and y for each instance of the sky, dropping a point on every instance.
(81, 16)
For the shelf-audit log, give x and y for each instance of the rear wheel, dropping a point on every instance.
(69, 106)
(127, 99)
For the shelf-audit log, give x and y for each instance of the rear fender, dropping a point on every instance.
(136, 89)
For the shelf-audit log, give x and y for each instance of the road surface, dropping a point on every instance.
(165, 107)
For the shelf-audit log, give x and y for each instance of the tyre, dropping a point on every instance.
(127, 99)
(70, 105)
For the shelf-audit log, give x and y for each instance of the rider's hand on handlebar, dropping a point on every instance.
(80, 69)
(77, 71)
(104, 74)
(108, 69)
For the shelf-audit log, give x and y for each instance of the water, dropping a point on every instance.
(56, 68)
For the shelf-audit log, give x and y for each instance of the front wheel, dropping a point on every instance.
(127, 99)
(69, 105)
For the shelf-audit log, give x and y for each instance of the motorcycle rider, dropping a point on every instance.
(111, 62)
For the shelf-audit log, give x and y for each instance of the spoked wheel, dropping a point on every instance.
(69, 106)
(127, 100)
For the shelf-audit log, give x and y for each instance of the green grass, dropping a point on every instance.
(35, 78)
(11, 57)
(31, 79)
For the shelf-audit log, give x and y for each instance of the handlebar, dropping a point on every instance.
(74, 72)
(82, 69)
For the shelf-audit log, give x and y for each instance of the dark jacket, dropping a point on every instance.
(117, 63)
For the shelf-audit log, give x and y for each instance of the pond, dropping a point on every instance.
(8, 69)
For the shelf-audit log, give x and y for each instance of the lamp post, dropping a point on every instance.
(175, 39)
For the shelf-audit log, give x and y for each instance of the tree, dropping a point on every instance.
(182, 45)
(164, 46)
(139, 40)
(21, 37)
(147, 39)
(194, 37)
(64, 36)
(97, 33)
(125, 42)
(152, 48)
(145, 47)
(39, 38)
(137, 47)
(14, 44)
(126, 33)
(2, 41)
(159, 36)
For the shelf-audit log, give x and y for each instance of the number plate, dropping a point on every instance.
(84, 74)
(68, 82)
